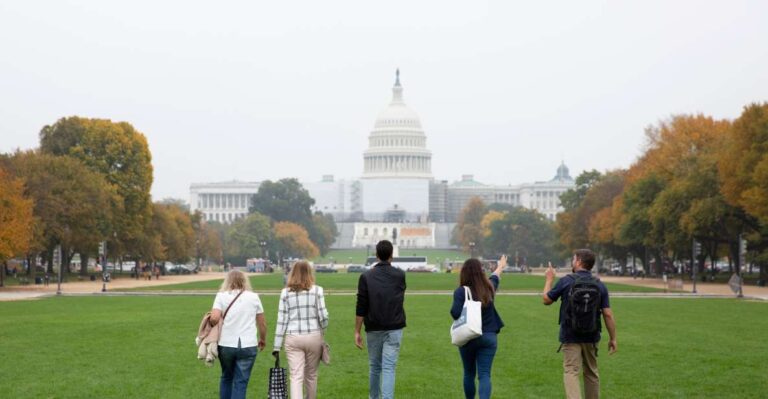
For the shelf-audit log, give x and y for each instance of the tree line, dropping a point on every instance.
(89, 182)
(526, 236)
(699, 180)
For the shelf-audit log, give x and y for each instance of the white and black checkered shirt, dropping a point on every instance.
(298, 313)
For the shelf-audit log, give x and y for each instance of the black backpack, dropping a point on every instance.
(583, 310)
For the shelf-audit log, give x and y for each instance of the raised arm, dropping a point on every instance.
(549, 278)
(501, 265)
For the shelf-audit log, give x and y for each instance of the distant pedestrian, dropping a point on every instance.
(157, 272)
(477, 354)
(237, 341)
(380, 296)
(580, 325)
(47, 278)
(302, 318)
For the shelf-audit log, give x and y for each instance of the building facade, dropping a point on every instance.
(396, 186)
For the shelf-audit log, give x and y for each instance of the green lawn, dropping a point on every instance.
(415, 282)
(434, 256)
(142, 347)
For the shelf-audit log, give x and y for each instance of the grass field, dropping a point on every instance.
(415, 282)
(142, 347)
(434, 256)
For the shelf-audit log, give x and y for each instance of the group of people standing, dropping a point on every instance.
(302, 320)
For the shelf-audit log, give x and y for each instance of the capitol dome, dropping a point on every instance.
(397, 145)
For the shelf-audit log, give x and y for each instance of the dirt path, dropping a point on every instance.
(89, 287)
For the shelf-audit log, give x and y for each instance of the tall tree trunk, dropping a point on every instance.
(733, 247)
(659, 266)
(83, 263)
(2, 273)
(32, 266)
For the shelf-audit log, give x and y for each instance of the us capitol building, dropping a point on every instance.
(396, 190)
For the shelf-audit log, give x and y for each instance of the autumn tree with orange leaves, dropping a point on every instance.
(16, 220)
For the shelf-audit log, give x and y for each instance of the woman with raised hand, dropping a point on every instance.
(477, 354)
(302, 319)
(239, 310)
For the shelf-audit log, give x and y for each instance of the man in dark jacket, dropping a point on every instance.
(380, 295)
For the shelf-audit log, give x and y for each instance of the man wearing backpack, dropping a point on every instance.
(583, 298)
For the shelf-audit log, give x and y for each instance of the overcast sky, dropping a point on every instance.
(253, 90)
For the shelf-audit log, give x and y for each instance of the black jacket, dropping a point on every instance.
(380, 295)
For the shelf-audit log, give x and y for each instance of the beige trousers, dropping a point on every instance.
(576, 357)
(303, 353)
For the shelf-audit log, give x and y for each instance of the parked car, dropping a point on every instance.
(325, 269)
(513, 269)
(171, 268)
(355, 268)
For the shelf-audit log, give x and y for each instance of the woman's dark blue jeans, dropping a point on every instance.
(236, 365)
(477, 357)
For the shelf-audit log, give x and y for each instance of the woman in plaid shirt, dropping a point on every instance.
(302, 319)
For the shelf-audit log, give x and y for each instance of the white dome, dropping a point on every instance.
(397, 114)
(397, 145)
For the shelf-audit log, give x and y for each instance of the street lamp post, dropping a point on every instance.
(472, 249)
(104, 267)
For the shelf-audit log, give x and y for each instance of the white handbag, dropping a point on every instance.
(470, 324)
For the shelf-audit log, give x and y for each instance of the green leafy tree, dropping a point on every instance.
(523, 234)
(120, 153)
(743, 170)
(323, 232)
(469, 228)
(174, 226)
(580, 204)
(72, 204)
(285, 200)
(245, 237)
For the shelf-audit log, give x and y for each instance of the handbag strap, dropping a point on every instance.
(467, 294)
(230, 305)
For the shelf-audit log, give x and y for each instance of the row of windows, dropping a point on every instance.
(228, 217)
(398, 163)
(549, 193)
(384, 232)
(223, 201)
(399, 142)
(399, 122)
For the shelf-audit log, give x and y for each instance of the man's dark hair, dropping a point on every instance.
(384, 250)
(586, 257)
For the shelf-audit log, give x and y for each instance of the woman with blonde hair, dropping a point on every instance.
(239, 310)
(302, 318)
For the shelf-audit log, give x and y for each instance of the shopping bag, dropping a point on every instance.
(278, 387)
(470, 324)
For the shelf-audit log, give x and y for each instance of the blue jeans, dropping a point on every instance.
(383, 349)
(477, 357)
(236, 365)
